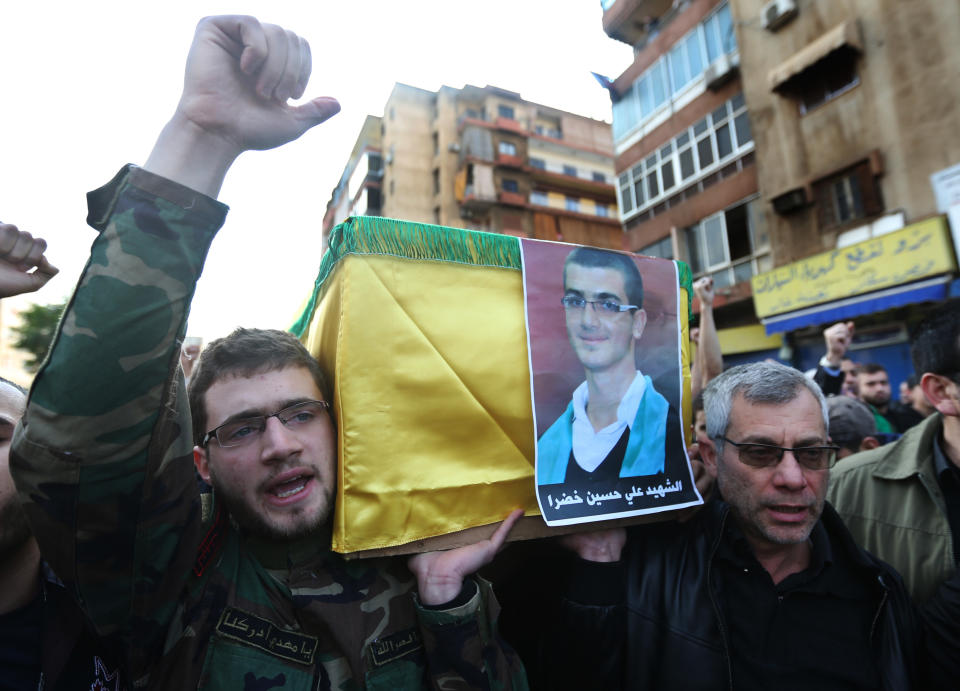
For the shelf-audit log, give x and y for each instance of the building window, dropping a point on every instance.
(626, 198)
(599, 177)
(548, 131)
(391, 187)
(602, 209)
(373, 202)
(848, 196)
(539, 198)
(673, 73)
(393, 112)
(505, 111)
(436, 143)
(730, 246)
(436, 181)
(572, 204)
(509, 185)
(823, 81)
(436, 215)
(538, 163)
(661, 248)
(695, 153)
(570, 170)
(507, 148)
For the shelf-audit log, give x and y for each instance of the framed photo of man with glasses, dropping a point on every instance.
(604, 333)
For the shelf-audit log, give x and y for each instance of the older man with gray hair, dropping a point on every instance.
(764, 588)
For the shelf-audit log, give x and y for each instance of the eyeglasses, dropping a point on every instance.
(575, 302)
(249, 429)
(766, 455)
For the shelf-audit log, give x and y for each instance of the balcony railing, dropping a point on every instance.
(512, 161)
(472, 198)
(512, 198)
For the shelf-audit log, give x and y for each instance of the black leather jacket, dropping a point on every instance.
(668, 632)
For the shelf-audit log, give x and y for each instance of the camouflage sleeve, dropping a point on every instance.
(103, 456)
(464, 649)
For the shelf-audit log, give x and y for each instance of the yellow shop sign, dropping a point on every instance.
(917, 251)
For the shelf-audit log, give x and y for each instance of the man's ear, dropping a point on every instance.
(868, 443)
(639, 323)
(937, 388)
(202, 463)
(708, 453)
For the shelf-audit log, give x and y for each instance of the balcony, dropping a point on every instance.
(637, 22)
(561, 181)
(510, 161)
(499, 123)
(509, 124)
(511, 198)
(472, 199)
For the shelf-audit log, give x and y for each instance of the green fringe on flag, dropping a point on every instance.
(388, 237)
(404, 239)
(685, 276)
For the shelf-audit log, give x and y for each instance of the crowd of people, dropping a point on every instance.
(825, 556)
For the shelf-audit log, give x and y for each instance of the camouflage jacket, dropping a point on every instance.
(103, 461)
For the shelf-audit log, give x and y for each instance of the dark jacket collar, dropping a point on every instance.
(717, 512)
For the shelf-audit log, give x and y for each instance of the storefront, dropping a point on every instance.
(886, 284)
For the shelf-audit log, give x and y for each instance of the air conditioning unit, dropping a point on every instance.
(776, 13)
(721, 71)
(454, 147)
(790, 201)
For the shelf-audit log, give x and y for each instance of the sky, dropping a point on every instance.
(86, 87)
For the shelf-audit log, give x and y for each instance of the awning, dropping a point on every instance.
(845, 34)
(936, 288)
(747, 339)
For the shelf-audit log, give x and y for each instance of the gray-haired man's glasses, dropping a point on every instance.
(766, 455)
(249, 429)
(575, 302)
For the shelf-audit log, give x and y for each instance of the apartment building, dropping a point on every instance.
(855, 113)
(483, 158)
(801, 153)
(358, 193)
(685, 156)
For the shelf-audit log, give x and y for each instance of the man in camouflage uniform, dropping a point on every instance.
(253, 598)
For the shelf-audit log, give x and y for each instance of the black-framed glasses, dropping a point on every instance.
(766, 455)
(575, 302)
(249, 429)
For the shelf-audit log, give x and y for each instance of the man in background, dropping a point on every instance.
(44, 643)
(852, 426)
(901, 501)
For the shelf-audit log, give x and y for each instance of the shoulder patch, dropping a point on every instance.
(254, 631)
(395, 646)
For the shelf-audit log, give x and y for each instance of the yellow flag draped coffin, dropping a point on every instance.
(421, 331)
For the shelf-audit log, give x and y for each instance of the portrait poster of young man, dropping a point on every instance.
(604, 332)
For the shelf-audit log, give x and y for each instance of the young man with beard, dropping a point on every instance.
(252, 598)
(873, 386)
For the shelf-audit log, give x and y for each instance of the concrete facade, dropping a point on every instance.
(901, 116)
(852, 106)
